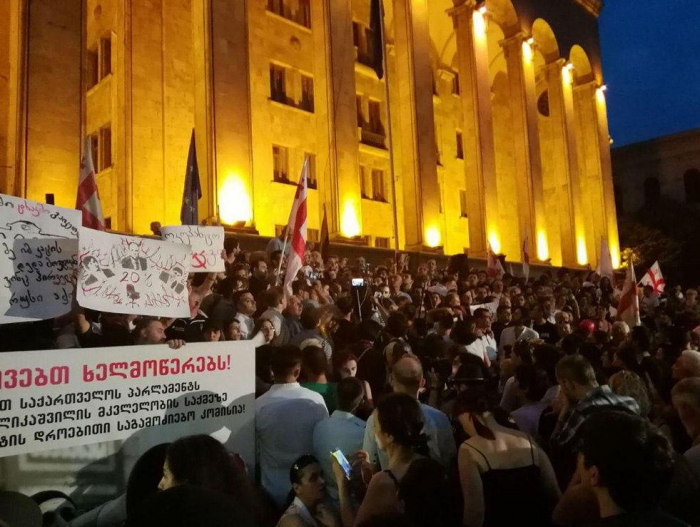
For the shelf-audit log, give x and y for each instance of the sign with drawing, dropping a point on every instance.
(127, 274)
(38, 257)
(207, 245)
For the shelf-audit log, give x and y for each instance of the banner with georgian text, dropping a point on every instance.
(108, 406)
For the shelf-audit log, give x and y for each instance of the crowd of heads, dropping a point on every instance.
(439, 380)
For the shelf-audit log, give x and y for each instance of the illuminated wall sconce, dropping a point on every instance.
(495, 242)
(433, 237)
(567, 73)
(528, 50)
(349, 223)
(615, 256)
(600, 93)
(234, 201)
(581, 252)
(481, 21)
(542, 247)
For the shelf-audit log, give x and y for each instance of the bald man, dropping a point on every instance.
(407, 377)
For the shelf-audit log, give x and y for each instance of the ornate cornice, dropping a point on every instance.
(594, 7)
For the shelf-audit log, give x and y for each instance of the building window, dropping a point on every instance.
(278, 83)
(362, 38)
(108, 223)
(298, 11)
(280, 163)
(691, 181)
(307, 93)
(356, 31)
(360, 113)
(312, 182)
(455, 84)
(313, 235)
(381, 243)
(95, 151)
(375, 117)
(378, 185)
(463, 204)
(365, 184)
(105, 57)
(460, 146)
(652, 190)
(105, 148)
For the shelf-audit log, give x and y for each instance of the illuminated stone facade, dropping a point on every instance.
(498, 119)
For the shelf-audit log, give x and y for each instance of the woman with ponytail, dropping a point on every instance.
(506, 478)
(399, 432)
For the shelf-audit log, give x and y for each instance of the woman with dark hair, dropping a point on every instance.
(307, 506)
(506, 478)
(398, 427)
(202, 461)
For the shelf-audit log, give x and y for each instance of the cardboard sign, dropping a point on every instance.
(77, 420)
(127, 274)
(206, 243)
(38, 257)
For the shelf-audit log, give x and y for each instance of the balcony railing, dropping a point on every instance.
(370, 138)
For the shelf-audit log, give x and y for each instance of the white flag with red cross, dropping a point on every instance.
(655, 279)
(296, 230)
(628, 308)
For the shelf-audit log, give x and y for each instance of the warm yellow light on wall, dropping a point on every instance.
(567, 73)
(542, 247)
(527, 51)
(234, 201)
(432, 237)
(480, 21)
(581, 253)
(600, 93)
(495, 242)
(349, 224)
(615, 255)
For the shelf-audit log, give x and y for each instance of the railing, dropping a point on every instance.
(377, 140)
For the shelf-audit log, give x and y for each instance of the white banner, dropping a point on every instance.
(491, 306)
(127, 274)
(54, 399)
(38, 255)
(207, 244)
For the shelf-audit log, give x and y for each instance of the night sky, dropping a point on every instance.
(651, 64)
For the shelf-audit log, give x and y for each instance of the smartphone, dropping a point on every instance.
(343, 462)
(358, 282)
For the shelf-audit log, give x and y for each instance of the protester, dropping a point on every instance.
(308, 507)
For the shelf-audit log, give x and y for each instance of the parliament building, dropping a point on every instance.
(494, 117)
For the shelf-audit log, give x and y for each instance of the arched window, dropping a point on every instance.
(652, 190)
(691, 181)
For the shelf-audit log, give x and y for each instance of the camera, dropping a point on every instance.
(358, 282)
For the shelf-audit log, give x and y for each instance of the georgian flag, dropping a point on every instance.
(494, 267)
(655, 279)
(296, 230)
(88, 201)
(628, 308)
(605, 266)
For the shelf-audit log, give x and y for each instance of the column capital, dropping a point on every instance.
(590, 85)
(514, 40)
(461, 7)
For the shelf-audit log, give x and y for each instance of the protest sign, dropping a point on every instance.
(89, 414)
(207, 244)
(38, 256)
(126, 274)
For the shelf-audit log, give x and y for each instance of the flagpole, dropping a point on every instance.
(390, 135)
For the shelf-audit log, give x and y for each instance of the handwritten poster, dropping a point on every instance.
(38, 257)
(127, 274)
(207, 245)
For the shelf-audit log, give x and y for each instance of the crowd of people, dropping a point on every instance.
(428, 395)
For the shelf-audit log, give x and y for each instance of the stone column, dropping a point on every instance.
(601, 115)
(519, 55)
(12, 82)
(480, 156)
(222, 100)
(565, 160)
(415, 109)
(342, 193)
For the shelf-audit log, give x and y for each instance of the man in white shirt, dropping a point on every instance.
(649, 302)
(484, 346)
(519, 330)
(285, 418)
(276, 304)
(407, 377)
(244, 301)
(341, 431)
